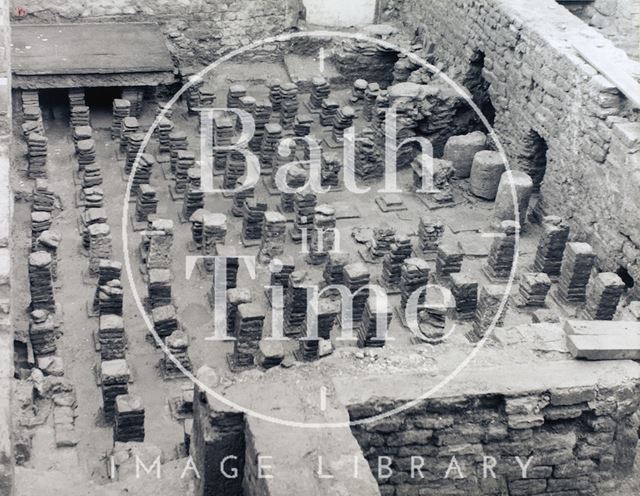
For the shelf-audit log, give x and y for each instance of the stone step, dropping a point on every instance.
(604, 347)
(602, 327)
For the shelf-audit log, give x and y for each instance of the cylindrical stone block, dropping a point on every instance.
(505, 206)
(486, 170)
(460, 151)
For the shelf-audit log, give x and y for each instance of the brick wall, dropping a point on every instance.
(573, 424)
(540, 87)
(198, 31)
(6, 207)
(573, 438)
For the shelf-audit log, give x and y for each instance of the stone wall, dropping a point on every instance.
(544, 94)
(339, 13)
(574, 435)
(618, 20)
(198, 31)
(573, 424)
(217, 446)
(271, 457)
(6, 208)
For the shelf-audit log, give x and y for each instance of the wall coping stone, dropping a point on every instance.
(507, 380)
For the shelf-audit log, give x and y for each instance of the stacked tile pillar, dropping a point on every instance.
(577, 263)
(555, 233)
(248, 332)
(160, 244)
(502, 251)
(603, 295)
(114, 381)
(129, 419)
(273, 236)
(323, 234)
(489, 302)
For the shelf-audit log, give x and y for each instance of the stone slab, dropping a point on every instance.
(604, 347)
(600, 58)
(478, 246)
(509, 379)
(602, 327)
(106, 48)
(346, 210)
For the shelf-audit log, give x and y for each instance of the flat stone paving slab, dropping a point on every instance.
(604, 347)
(475, 246)
(602, 327)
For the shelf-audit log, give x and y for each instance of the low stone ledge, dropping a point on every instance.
(507, 380)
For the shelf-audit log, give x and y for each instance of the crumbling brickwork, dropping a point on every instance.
(198, 31)
(545, 95)
(575, 439)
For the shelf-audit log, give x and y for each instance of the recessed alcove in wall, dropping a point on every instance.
(101, 97)
(100, 101)
(54, 103)
(626, 277)
(20, 358)
(534, 157)
(476, 83)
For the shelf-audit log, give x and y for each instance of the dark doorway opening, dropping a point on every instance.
(54, 103)
(476, 83)
(626, 277)
(20, 359)
(100, 103)
(535, 158)
(53, 96)
(101, 98)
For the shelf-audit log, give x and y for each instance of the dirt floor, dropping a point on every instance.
(468, 223)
